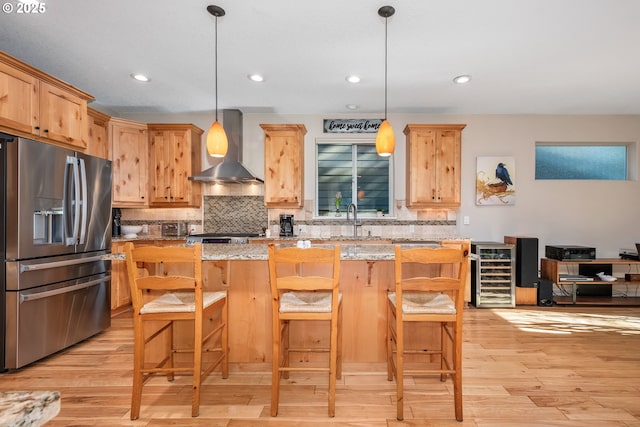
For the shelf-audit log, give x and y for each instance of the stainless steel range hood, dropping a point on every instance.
(231, 169)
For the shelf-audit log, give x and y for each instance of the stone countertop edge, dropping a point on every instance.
(289, 239)
(28, 408)
(145, 237)
(258, 252)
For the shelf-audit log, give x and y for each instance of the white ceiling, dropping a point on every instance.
(525, 56)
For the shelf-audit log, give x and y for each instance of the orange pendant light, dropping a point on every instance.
(385, 139)
(217, 142)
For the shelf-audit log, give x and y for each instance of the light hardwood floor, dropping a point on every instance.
(560, 366)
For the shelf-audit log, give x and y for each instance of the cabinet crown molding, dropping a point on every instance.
(409, 127)
(42, 76)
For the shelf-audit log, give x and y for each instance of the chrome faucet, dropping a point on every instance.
(355, 218)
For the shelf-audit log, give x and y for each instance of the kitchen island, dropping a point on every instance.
(367, 274)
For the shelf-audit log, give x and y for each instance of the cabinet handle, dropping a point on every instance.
(37, 128)
(46, 130)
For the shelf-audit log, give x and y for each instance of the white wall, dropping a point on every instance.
(603, 214)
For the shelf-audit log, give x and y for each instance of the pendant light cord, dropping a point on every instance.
(216, 75)
(386, 21)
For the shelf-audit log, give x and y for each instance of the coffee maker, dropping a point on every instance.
(286, 225)
(115, 222)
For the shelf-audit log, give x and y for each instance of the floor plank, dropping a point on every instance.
(557, 367)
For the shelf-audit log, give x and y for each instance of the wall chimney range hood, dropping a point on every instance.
(231, 169)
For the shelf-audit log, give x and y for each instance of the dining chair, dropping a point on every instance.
(166, 288)
(305, 287)
(429, 287)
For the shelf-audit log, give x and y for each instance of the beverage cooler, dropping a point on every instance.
(493, 275)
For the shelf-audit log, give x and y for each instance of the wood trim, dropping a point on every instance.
(42, 76)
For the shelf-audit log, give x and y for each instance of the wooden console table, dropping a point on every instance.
(551, 269)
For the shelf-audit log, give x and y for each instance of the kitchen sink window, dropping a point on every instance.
(352, 172)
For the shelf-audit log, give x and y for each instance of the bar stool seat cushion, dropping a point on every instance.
(425, 302)
(309, 302)
(183, 302)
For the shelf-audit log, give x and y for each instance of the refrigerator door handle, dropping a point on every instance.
(72, 239)
(84, 202)
(54, 264)
(46, 294)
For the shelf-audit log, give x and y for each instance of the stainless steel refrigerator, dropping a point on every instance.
(56, 229)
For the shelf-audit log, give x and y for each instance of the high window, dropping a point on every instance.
(582, 161)
(355, 172)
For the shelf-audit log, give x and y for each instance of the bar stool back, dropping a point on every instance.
(160, 299)
(436, 296)
(304, 286)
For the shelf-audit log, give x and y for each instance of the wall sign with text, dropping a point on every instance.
(351, 125)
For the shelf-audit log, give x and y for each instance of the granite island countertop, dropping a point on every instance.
(360, 250)
(28, 408)
(147, 237)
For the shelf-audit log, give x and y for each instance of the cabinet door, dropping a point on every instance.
(448, 161)
(284, 165)
(98, 135)
(174, 154)
(181, 166)
(129, 155)
(160, 167)
(120, 291)
(18, 100)
(63, 116)
(421, 167)
(433, 165)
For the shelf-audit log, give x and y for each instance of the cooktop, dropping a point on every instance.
(213, 238)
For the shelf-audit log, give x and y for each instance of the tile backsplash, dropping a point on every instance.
(246, 213)
(234, 214)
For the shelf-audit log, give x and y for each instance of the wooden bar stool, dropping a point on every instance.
(429, 287)
(171, 291)
(305, 286)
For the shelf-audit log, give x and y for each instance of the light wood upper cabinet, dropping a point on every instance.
(63, 116)
(283, 165)
(129, 154)
(433, 165)
(18, 100)
(35, 104)
(174, 155)
(98, 134)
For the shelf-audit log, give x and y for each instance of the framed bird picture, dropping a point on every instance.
(495, 181)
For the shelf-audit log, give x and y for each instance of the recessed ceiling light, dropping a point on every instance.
(140, 77)
(353, 79)
(256, 78)
(352, 106)
(465, 78)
